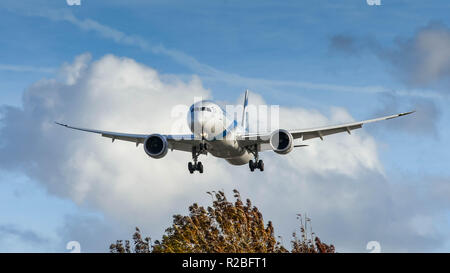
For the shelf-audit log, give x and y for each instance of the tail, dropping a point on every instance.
(245, 114)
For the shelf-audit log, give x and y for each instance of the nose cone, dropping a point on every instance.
(199, 116)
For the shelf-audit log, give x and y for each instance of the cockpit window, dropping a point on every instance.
(201, 109)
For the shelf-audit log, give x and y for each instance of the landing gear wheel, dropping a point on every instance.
(257, 164)
(191, 167)
(251, 165)
(261, 165)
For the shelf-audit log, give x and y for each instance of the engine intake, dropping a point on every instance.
(156, 146)
(281, 141)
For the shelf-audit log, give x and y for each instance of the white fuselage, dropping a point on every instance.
(210, 122)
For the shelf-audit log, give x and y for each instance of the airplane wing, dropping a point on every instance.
(176, 142)
(320, 132)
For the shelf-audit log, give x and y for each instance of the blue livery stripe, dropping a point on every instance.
(232, 126)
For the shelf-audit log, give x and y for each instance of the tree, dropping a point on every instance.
(140, 245)
(224, 227)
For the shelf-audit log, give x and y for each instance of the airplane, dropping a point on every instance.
(214, 131)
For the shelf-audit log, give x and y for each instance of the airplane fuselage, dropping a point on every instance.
(209, 121)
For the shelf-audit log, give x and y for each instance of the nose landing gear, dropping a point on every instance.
(203, 147)
(197, 165)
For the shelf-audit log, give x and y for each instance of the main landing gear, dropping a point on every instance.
(197, 165)
(257, 164)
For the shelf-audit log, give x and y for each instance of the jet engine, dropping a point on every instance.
(281, 141)
(156, 146)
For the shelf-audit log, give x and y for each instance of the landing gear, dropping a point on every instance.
(196, 165)
(257, 164)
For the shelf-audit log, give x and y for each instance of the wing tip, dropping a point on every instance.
(406, 113)
(401, 114)
(61, 124)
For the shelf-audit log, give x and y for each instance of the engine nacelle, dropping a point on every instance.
(156, 146)
(281, 141)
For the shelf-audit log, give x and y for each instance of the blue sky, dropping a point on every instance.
(309, 54)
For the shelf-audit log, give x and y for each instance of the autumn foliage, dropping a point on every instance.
(224, 227)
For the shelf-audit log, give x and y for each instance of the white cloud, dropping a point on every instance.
(72, 72)
(339, 181)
